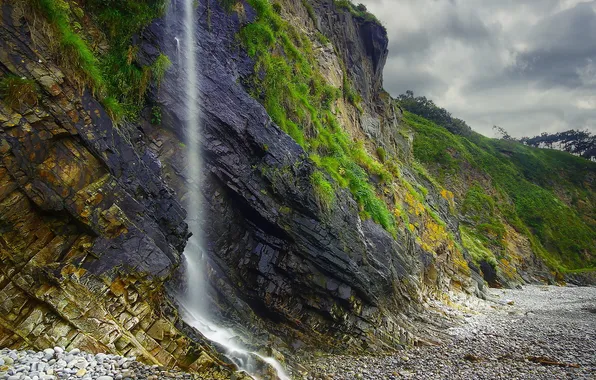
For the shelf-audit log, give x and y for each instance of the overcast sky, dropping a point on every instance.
(526, 65)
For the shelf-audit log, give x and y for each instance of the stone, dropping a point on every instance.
(81, 363)
(48, 351)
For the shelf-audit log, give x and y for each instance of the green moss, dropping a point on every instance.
(382, 154)
(228, 5)
(16, 92)
(310, 10)
(423, 190)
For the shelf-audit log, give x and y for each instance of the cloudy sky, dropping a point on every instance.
(526, 65)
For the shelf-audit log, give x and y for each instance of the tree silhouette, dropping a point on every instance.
(580, 143)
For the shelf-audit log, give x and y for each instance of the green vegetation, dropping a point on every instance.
(75, 53)
(310, 10)
(475, 245)
(526, 181)
(349, 93)
(299, 100)
(156, 115)
(160, 66)
(382, 154)
(16, 92)
(323, 190)
(427, 109)
(228, 5)
(114, 76)
(358, 11)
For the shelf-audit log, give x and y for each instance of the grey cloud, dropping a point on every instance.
(527, 65)
(564, 44)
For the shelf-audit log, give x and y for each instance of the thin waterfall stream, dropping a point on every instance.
(195, 301)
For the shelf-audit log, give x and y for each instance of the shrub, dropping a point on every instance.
(358, 11)
(156, 115)
(160, 66)
(382, 154)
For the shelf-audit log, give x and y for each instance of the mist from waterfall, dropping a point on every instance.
(194, 301)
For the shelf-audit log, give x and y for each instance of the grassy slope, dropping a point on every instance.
(544, 194)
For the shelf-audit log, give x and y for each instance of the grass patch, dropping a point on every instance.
(17, 92)
(114, 77)
(323, 190)
(476, 248)
(75, 53)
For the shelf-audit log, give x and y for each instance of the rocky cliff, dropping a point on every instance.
(323, 230)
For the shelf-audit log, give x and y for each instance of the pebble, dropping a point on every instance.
(77, 365)
(495, 341)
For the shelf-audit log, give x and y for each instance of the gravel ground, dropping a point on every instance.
(55, 363)
(540, 332)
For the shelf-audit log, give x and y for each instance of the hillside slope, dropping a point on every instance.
(546, 196)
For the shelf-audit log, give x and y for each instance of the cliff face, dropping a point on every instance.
(92, 227)
(315, 277)
(89, 229)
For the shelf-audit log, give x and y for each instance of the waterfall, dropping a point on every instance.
(195, 302)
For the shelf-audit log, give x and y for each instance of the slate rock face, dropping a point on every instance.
(363, 44)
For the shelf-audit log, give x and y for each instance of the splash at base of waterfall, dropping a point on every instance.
(194, 313)
(245, 360)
